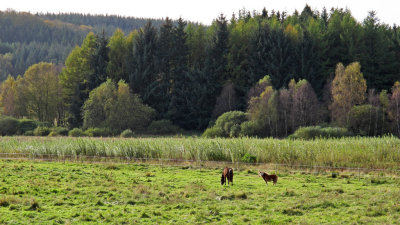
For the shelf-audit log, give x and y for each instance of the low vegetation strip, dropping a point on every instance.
(79, 193)
(373, 153)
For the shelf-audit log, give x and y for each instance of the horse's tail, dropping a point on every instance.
(275, 179)
(230, 172)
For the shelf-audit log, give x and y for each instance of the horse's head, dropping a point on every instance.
(222, 179)
(260, 174)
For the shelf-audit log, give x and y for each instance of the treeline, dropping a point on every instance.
(100, 23)
(26, 39)
(296, 112)
(191, 74)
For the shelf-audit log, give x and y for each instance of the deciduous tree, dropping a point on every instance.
(348, 90)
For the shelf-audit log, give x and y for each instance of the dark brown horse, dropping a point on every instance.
(227, 174)
(267, 177)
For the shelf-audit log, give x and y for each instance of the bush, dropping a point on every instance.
(41, 131)
(44, 124)
(60, 131)
(127, 133)
(98, 132)
(249, 128)
(248, 158)
(27, 125)
(53, 134)
(29, 133)
(366, 120)
(235, 131)
(161, 127)
(312, 132)
(227, 125)
(8, 126)
(76, 132)
(213, 132)
(229, 119)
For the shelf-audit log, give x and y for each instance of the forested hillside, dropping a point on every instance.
(26, 39)
(323, 68)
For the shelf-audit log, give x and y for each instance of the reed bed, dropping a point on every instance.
(363, 152)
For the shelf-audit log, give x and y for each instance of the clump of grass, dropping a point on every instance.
(148, 174)
(289, 193)
(335, 190)
(144, 215)
(157, 213)
(292, 212)
(34, 205)
(324, 205)
(112, 167)
(378, 181)
(376, 211)
(251, 172)
(131, 202)
(99, 203)
(241, 195)
(4, 202)
(13, 207)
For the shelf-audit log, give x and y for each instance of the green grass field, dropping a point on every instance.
(80, 193)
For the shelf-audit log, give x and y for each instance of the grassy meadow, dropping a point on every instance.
(363, 152)
(81, 193)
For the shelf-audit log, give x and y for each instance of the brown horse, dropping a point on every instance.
(227, 174)
(267, 177)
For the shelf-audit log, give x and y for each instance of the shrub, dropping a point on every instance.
(44, 124)
(98, 132)
(27, 125)
(229, 119)
(41, 131)
(8, 126)
(76, 132)
(227, 125)
(29, 133)
(248, 158)
(312, 132)
(127, 133)
(249, 128)
(162, 127)
(53, 134)
(365, 120)
(60, 131)
(235, 131)
(213, 132)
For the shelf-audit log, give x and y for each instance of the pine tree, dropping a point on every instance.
(215, 70)
(378, 60)
(99, 61)
(166, 56)
(180, 106)
(144, 63)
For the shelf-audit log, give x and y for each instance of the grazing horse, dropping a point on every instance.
(267, 177)
(227, 174)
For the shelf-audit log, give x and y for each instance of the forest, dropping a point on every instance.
(26, 39)
(255, 74)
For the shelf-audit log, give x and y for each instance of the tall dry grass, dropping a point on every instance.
(343, 152)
